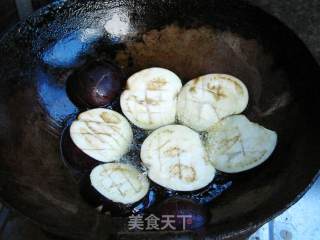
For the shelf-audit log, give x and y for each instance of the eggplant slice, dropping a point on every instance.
(103, 134)
(150, 99)
(207, 99)
(119, 182)
(235, 144)
(176, 159)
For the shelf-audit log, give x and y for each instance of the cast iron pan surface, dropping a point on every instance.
(191, 38)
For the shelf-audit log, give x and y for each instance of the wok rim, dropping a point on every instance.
(236, 231)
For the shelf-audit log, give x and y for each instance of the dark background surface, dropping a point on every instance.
(303, 17)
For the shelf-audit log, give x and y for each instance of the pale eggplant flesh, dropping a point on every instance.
(207, 99)
(176, 159)
(235, 144)
(102, 134)
(73, 157)
(104, 205)
(149, 100)
(117, 188)
(119, 182)
(179, 162)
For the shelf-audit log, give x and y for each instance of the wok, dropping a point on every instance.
(191, 38)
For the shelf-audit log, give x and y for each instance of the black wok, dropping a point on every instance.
(191, 38)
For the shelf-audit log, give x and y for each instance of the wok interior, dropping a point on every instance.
(190, 39)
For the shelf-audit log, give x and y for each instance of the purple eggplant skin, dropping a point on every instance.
(103, 204)
(96, 84)
(187, 214)
(74, 157)
(204, 195)
(88, 193)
